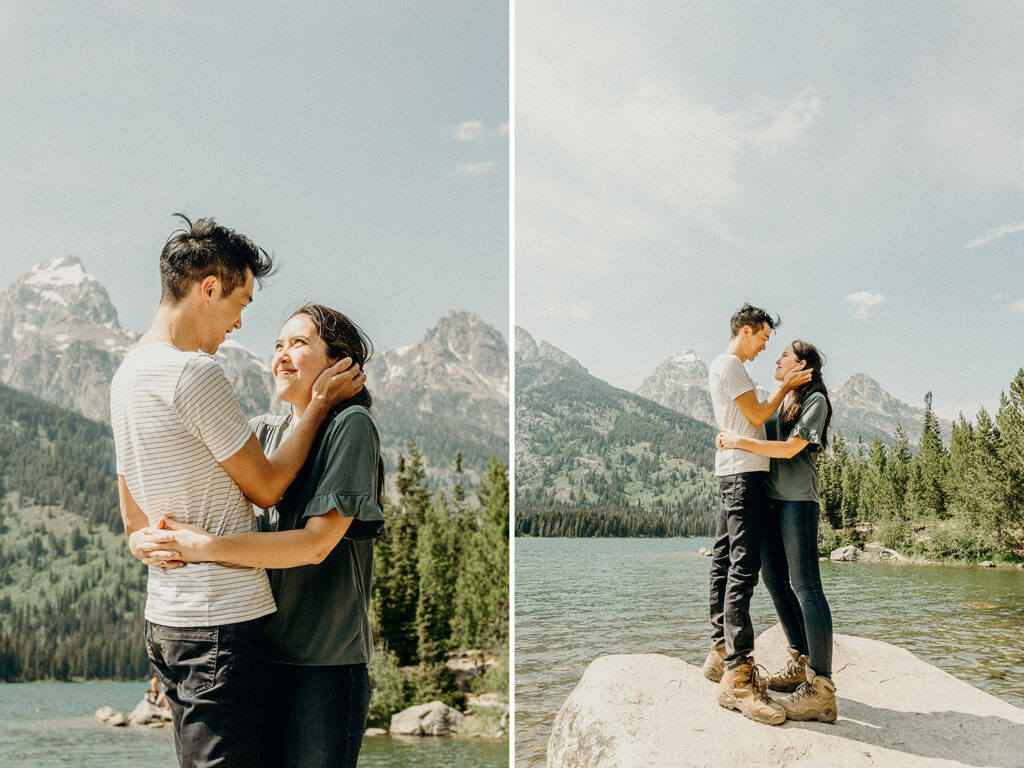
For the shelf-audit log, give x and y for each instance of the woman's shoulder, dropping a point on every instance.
(354, 419)
(816, 398)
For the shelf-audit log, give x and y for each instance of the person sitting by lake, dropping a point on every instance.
(796, 435)
(317, 543)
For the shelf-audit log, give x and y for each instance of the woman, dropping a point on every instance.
(789, 550)
(318, 544)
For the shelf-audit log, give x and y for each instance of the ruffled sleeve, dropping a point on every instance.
(350, 474)
(811, 421)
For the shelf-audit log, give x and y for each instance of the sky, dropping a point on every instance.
(364, 145)
(856, 170)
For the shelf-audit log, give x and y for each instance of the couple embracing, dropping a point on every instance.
(258, 671)
(768, 524)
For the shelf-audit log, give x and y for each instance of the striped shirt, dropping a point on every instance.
(728, 379)
(175, 417)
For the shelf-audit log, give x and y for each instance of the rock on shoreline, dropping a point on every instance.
(144, 714)
(895, 711)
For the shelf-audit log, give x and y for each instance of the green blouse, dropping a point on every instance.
(322, 613)
(796, 479)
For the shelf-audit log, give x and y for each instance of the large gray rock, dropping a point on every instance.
(895, 711)
(433, 719)
(148, 714)
(846, 554)
(109, 716)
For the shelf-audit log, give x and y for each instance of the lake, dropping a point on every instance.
(46, 725)
(577, 599)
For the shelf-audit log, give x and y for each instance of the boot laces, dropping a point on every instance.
(759, 682)
(803, 691)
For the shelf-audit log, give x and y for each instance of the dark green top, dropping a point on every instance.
(796, 479)
(322, 613)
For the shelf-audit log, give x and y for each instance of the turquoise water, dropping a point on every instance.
(577, 599)
(45, 725)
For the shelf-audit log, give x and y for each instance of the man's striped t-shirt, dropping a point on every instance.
(728, 379)
(175, 417)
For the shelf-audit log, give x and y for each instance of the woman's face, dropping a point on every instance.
(786, 363)
(300, 355)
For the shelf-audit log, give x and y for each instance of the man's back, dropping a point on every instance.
(727, 380)
(175, 418)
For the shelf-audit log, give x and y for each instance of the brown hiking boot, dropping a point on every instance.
(791, 676)
(814, 700)
(714, 664)
(743, 688)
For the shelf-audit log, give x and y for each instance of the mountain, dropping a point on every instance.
(862, 407)
(587, 452)
(681, 383)
(448, 391)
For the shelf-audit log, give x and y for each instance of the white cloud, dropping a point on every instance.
(472, 169)
(470, 130)
(863, 301)
(999, 297)
(1018, 306)
(570, 311)
(995, 234)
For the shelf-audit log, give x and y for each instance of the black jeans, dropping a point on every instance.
(215, 686)
(789, 564)
(316, 715)
(735, 563)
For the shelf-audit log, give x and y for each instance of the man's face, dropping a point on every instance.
(225, 314)
(757, 340)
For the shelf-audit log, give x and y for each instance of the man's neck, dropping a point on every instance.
(736, 348)
(173, 326)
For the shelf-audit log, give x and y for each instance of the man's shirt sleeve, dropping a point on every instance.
(205, 401)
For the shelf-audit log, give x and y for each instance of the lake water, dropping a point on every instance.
(46, 725)
(577, 599)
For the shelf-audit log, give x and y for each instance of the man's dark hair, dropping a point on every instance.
(206, 248)
(753, 316)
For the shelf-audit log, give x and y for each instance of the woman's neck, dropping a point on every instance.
(299, 408)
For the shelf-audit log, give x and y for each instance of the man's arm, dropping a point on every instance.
(280, 549)
(135, 524)
(758, 412)
(773, 449)
(264, 479)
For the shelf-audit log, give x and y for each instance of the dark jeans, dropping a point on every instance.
(789, 565)
(215, 686)
(735, 563)
(316, 715)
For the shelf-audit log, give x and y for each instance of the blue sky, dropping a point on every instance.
(364, 145)
(858, 171)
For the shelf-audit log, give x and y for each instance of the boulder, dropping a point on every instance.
(109, 716)
(1020, 566)
(895, 711)
(148, 714)
(986, 564)
(704, 552)
(846, 554)
(375, 732)
(433, 719)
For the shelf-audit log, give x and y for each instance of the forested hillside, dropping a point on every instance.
(594, 460)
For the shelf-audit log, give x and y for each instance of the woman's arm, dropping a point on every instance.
(282, 549)
(773, 449)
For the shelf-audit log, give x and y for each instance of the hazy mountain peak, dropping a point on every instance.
(526, 347)
(681, 383)
(553, 354)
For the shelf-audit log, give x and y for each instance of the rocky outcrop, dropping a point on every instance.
(846, 554)
(433, 719)
(148, 714)
(895, 711)
(681, 383)
(110, 716)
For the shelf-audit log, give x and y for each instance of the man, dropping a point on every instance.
(186, 451)
(741, 479)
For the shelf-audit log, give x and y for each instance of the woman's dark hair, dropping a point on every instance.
(343, 339)
(809, 354)
(205, 248)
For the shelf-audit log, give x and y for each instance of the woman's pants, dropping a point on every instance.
(789, 568)
(315, 716)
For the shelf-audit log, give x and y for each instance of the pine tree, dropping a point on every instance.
(482, 587)
(1010, 420)
(933, 465)
(437, 567)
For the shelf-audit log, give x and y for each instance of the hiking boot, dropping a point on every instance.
(791, 676)
(714, 664)
(744, 688)
(814, 700)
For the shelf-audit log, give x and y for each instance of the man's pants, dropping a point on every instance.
(215, 680)
(735, 562)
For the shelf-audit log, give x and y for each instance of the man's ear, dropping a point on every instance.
(209, 287)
